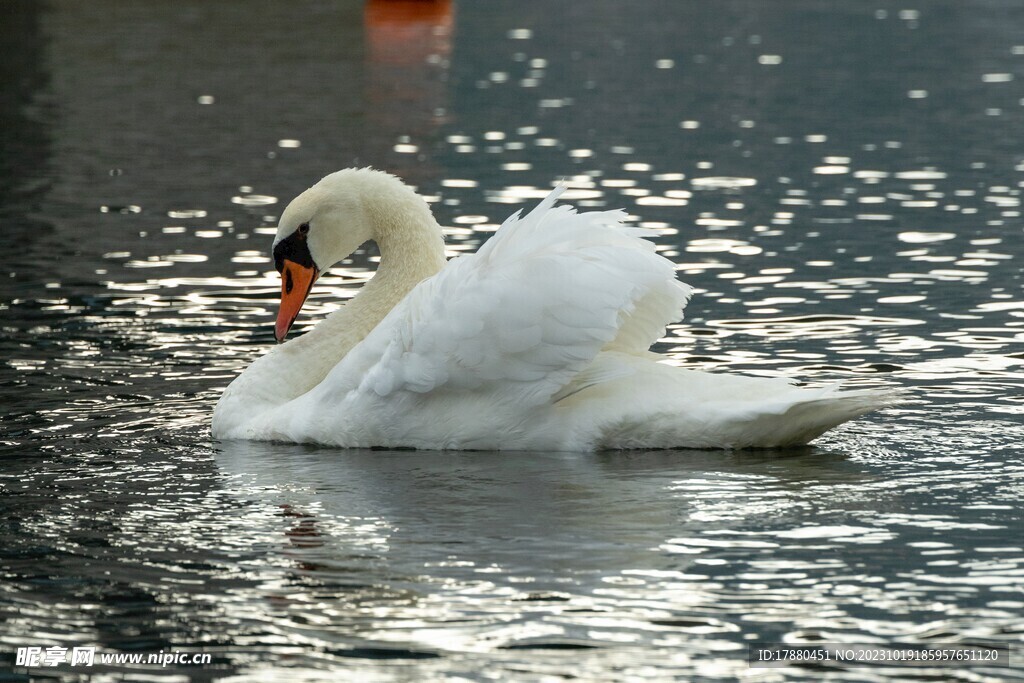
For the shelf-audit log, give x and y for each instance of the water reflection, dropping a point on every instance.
(502, 529)
(698, 539)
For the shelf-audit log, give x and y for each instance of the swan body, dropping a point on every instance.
(538, 341)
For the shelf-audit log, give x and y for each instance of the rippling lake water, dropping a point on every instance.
(841, 182)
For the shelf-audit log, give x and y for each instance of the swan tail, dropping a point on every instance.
(628, 401)
(806, 419)
(796, 423)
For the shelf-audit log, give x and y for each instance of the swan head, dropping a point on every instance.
(320, 227)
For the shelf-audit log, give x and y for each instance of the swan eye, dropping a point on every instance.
(294, 248)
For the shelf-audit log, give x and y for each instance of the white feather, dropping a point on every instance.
(537, 341)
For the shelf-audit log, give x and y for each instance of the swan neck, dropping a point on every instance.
(411, 246)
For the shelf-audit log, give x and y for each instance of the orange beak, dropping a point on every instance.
(296, 281)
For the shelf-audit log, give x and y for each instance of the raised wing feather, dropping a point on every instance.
(526, 313)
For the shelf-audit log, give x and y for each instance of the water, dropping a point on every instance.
(840, 182)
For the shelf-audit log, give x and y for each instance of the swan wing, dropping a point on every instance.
(550, 228)
(525, 314)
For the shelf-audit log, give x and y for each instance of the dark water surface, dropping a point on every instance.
(840, 181)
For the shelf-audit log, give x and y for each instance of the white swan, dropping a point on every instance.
(539, 341)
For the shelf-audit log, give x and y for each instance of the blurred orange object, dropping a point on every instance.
(407, 31)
